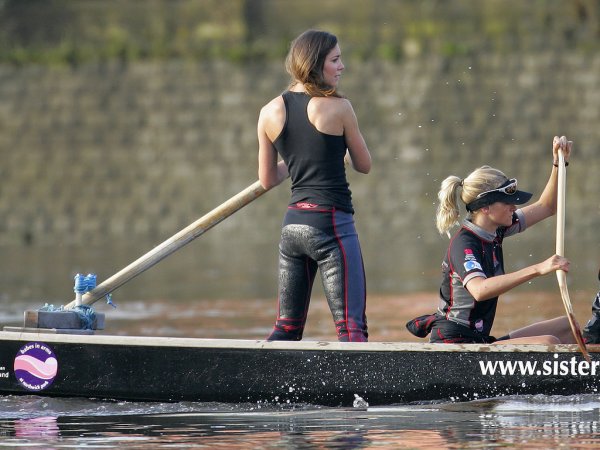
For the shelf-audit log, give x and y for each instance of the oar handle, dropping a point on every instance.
(560, 204)
(173, 244)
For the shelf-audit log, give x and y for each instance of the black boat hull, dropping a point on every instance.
(324, 373)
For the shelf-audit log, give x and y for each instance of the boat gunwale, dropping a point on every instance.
(247, 344)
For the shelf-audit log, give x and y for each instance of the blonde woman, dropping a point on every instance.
(473, 270)
(314, 130)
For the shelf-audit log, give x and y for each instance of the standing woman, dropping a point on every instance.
(315, 131)
(473, 273)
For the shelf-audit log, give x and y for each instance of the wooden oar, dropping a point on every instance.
(560, 250)
(172, 244)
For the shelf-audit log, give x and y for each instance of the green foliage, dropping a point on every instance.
(68, 32)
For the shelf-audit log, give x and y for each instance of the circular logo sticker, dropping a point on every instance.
(35, 366)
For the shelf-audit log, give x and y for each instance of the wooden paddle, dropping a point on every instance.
(560, 250)
(172, 244)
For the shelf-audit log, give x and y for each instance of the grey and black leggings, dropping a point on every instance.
(324, 239)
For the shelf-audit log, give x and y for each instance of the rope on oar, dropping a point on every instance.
(86, 314)
(85, 284)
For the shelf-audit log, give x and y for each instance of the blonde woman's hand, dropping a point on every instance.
(553, 264)
(563, 144)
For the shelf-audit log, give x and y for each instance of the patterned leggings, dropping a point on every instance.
(323, 239)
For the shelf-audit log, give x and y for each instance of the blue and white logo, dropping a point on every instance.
(472, 265)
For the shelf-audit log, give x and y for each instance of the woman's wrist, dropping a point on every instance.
(555, 163)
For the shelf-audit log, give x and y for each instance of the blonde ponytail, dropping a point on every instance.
(447, 211)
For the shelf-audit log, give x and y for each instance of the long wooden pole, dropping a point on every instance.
(173, 244)
(560, 250)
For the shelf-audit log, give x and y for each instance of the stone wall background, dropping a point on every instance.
(101, 161)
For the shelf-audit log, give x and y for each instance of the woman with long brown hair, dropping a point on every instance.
(313, 128)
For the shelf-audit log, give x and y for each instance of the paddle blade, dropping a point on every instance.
(575, 328)
(578, 337)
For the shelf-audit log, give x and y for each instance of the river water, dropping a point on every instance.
(515, 422)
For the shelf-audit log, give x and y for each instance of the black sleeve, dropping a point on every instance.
(466, 257)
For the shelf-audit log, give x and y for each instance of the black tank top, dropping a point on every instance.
(315, 160)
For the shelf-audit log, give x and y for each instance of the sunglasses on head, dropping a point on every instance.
(510, 188)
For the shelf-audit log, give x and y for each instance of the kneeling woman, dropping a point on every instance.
(473, 269)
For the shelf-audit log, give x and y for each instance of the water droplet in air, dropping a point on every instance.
(359, 402)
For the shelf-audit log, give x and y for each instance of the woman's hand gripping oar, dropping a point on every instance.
(560, 250)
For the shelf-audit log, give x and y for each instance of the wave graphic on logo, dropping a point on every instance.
(44, 370)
